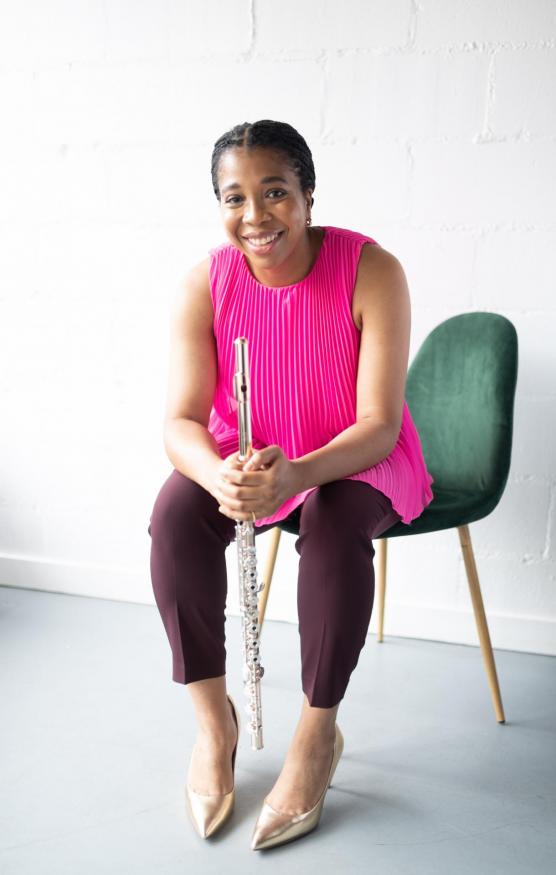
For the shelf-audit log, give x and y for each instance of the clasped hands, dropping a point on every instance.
(260, 483)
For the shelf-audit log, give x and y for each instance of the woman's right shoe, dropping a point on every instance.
(209, 812)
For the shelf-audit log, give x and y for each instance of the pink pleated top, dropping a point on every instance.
(303, 348)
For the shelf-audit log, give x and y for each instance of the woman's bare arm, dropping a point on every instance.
(192, 380)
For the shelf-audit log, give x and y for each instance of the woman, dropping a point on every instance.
(327, 315)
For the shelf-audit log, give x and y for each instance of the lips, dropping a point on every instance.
(263, 248)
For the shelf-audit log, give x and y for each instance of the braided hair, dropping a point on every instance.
(273, 135)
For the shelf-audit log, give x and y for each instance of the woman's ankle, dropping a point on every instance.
(217, 735)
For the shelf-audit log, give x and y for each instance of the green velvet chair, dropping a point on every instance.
(460, 392)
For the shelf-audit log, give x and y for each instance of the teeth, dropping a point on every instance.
(262, 241)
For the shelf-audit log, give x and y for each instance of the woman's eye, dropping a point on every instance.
(235, 198)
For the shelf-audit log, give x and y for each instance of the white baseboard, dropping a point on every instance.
(455, 626)
(526, 634)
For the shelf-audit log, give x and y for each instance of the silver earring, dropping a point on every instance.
(309, 221)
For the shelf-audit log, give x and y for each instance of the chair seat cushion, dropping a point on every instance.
(449, 508)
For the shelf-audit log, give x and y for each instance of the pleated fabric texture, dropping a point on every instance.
(303, 351)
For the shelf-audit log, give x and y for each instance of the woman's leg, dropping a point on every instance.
(335, 598)
(189, 538)
(336, 582)
(188, 571)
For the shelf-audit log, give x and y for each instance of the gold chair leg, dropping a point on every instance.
(276, 532)
(481, 621)
(380, 576)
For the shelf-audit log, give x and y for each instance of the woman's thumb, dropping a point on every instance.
(253, 462)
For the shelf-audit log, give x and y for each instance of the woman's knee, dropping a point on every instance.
(180, 504)
(344, 508)
(329, 511)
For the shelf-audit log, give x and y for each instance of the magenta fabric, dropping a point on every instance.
(303, 354)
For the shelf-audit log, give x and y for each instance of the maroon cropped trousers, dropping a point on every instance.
(335, 589)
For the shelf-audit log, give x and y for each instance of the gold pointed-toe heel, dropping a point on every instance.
(276, 828)
(209, 812)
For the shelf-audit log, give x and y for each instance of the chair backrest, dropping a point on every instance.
(460, 392)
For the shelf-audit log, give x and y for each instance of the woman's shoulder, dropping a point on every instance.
(349, 234)
(195, 283)
(359, 248)
(225, 246)
(223, 259)
(372, 253)
(192, 302)
(223, 252)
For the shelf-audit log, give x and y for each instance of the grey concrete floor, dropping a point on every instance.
(96, 739)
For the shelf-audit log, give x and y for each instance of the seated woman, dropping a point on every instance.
(326, 312)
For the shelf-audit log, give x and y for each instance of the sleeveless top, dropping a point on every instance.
(303, 349)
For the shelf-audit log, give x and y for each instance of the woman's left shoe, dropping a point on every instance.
(276, 827)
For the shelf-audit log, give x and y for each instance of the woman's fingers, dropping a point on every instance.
(243, 480)
(236, 515)
(235, 498)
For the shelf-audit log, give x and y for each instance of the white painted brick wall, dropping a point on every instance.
(433, 129)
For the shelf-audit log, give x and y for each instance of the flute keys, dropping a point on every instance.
(250, 677)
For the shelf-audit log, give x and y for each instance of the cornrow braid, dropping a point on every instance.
(274, 135)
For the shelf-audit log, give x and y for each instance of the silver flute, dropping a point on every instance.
(247, 561)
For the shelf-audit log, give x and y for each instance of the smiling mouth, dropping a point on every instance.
(263, 243)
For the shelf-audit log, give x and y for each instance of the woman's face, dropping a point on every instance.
(255, 205)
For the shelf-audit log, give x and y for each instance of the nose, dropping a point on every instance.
(254, 210)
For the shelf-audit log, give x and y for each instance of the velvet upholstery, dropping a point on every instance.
(460, 392)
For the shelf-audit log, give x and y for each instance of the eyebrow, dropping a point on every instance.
(263, 180)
